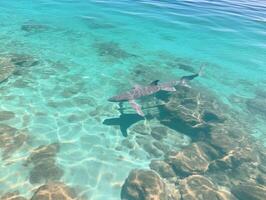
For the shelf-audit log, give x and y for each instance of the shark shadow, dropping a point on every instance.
(124, 121)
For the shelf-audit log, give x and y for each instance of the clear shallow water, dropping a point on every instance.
(88, 51)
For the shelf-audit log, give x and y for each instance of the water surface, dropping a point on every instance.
(77, 53)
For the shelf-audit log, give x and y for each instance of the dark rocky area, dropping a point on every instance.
(49, 191)
(222, 162)
(146, 185)
(201, 188)
(248, 192)
(15, 64)
(12, 196)
(42, 163)
(257, 105)
(55, 191)
(34, 27)
(11, 140)
(111, 51)
(7, 68)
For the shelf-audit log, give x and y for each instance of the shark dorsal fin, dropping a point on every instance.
(154, 82)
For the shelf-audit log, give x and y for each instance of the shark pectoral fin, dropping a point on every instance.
(136, 107)
(186, 85)
(169, 89)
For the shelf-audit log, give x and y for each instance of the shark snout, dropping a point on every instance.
(115, 99)
(112, 99)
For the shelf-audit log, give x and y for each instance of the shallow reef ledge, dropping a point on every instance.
(248, 192)
(200, 187)
(12, 196)
(49, 191)
(147, 185)
(223, 161)
(7, 68)
(55, 191)
(15, 64)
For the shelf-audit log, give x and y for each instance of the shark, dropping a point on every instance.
(139, 91)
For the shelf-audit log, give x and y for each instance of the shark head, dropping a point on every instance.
(120, 98)
(114, 99)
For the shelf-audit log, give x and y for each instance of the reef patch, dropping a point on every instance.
(43, 162)
(111, 51)
(15, 64)
(146, 185)
(222, 162)
(55, 191)
(11, 140)
(34, 27)
(6, 115)
(12, 196)
(7, 68)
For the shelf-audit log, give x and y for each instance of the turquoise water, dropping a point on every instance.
(82, 52)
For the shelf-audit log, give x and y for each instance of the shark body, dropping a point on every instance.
(139, 91)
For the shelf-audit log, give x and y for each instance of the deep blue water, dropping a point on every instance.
(88, 51)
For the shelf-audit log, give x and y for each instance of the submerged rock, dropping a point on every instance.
(222, 155)
(96, 23)
(261, 93)
(23, 60)
(257, 106)
(12, 196)
(47, 170)
(55, 191)
(7, 68)
(191, 113)
(232, 177)
(6, 115)
(261, 179)
(248, 192)
(148, 146)
(33, 27)
(198, 187)
(236, 157)
(44, 164)
(111, 50)
(163, 146)
(159, 132)
(43, 152)
(164, 169)
(12, 64)
(11, 139)
(192, 160)
(146, 185)
(227, 137)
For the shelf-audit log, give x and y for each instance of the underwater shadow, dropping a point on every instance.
(124, 121)
(176, 123)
